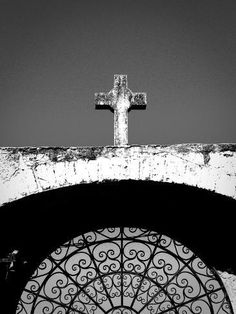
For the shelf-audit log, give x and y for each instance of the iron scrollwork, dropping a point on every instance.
(124, 271)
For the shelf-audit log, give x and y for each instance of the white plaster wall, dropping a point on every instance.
(25, 171)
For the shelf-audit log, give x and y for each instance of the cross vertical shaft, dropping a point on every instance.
(121, 123)
(120, 100)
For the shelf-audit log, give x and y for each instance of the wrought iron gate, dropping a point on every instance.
(124, 271)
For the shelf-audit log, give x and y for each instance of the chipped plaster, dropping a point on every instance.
(29, 170)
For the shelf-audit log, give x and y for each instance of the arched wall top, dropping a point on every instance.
(29, 170)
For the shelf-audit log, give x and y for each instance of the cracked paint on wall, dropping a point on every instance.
(28, 170)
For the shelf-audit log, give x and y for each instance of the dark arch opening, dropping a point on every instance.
(201, 220)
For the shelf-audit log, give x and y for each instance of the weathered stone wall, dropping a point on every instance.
(27, 170)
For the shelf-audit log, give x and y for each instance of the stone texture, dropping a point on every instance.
(120, 100)
(229, 282)
(28, 170)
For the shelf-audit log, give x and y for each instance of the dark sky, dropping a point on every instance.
(54, 55)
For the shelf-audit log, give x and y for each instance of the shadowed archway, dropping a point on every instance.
(43, 221)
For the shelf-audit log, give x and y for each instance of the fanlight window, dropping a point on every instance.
(123, 271)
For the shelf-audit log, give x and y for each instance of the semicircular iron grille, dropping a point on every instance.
(123, 271)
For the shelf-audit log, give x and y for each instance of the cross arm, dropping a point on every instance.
(138, 101)
(103, 101)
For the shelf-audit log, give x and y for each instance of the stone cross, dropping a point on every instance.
(120, 100)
